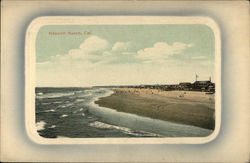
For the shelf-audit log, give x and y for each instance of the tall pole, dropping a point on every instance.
(196, 77)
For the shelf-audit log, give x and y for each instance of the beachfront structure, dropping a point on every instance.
(202, 84)
(185, 85)
(206, 85)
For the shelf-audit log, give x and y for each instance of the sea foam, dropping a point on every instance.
(128, 131)
(64, 115)
(40, 125)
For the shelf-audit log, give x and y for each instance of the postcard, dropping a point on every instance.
(122, 79)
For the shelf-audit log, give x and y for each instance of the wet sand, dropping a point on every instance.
(186, 107)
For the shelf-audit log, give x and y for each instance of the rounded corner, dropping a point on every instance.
(212, 24)
(36, 23)
(211, 137)
(34, 136)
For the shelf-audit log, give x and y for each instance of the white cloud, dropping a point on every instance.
(89, 64)
(92, 49)
(121, 46)
(79, 54)
(98, 50)
(93, 44)
(128, 53)
(101, 53)
(162, 50)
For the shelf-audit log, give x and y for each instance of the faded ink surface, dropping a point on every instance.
(125, 81)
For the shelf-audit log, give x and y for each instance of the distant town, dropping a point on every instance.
(203, 86)
(198, 85)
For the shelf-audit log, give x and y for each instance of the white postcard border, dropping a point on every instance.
(30, 52)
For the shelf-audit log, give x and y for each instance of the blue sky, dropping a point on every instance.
(121, 55)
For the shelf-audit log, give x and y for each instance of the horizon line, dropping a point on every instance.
(112, 85)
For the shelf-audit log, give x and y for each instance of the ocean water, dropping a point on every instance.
(71, 112)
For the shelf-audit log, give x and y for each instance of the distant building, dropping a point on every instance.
(203, 85)
(185, 85)
(206, 86)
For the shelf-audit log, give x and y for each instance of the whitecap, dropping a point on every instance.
(98, 124)
(66, 105)
(64, 115)
(52, 126)
(40, 125)
(54, 95)
(45, 103)
(79, 100)
(51, 110)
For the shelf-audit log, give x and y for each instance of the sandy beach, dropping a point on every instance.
(186, 107)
